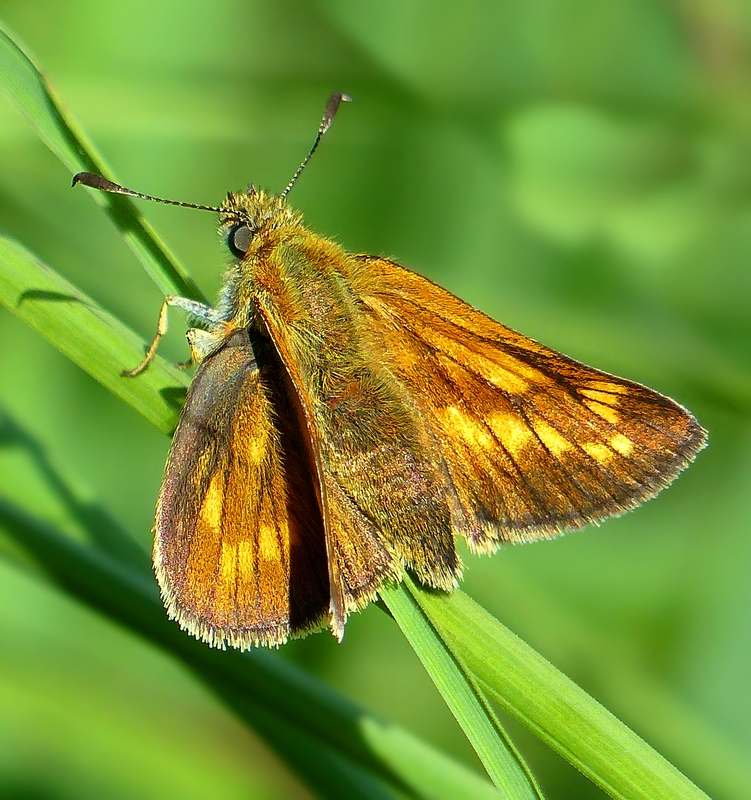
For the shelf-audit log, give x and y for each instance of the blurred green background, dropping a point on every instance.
(579, 169)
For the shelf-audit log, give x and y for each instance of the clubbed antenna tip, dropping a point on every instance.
(332, 107)
(98, 182)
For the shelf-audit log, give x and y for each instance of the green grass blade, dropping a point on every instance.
(465, 700)
(309, 724)
(29, 91)
(92, 338)
(551, 705)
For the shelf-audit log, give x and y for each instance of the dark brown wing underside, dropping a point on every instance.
(239, 546)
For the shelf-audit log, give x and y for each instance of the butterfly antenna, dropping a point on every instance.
(98, 182)
(328, 117)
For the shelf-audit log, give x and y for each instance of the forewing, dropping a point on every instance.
(385, 494)
(535, 442)
(239, 547)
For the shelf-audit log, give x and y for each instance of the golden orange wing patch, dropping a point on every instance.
(535, 442)
(239, 549)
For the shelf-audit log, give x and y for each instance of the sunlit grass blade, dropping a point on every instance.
(666, 717)
(503, 763)
(574, 724)
(29, 91)
(88, 335)
(366, 757)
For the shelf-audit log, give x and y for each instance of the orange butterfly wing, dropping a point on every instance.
(535, 442)
(239, 549)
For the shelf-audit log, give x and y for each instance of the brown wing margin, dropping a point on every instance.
(536, 443)
(239, 548)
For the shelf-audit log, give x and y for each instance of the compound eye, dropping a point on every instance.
(239, 238)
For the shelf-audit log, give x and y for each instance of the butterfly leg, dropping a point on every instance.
(203, 343)
(200, 311)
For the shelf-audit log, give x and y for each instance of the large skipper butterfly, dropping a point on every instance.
(349, 418)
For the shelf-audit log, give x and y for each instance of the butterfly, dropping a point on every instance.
(349, 418)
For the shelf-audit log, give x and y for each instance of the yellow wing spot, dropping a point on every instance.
(213, 503)
(268, 544)
(600, 452)
(622, 444)
(515, 380)
(601, 397)
(460, 425)
(256, 447)
(606, 412)
(607, 386)
(227, 563)
(225, 583)
(550, 437)
(503, 378)
(512, 433)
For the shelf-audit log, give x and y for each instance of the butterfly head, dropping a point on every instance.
(248, 219)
